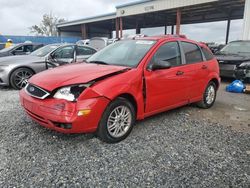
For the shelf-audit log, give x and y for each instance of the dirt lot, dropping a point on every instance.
(230, 109)
(186, 147)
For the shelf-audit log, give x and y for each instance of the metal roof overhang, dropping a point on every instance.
(214, 10)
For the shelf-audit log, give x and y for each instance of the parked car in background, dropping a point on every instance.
(2, 46)
(83, 42)
(20, 49)
(215, 47)
(100, 42)
(126, 81)
(234, 60)
(16, 70)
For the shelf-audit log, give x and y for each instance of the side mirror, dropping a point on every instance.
(161, 65)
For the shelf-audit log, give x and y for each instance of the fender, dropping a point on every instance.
(126, 83)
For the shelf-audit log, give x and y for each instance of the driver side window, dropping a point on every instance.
(19, 49)
(169, 52)
(66, 52)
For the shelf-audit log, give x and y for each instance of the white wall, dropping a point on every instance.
(246, 22)
(70, 34)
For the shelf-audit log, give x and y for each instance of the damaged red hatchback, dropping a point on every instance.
(126, 81)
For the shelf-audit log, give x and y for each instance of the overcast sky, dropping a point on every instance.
(16, 16)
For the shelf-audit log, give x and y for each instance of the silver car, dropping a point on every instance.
(16, 70)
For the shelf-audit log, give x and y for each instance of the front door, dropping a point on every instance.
(166, 88)
(64, 55)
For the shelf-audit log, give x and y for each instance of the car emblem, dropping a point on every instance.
(31, 89)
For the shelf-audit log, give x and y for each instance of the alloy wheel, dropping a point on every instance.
(119, 121)
(21, 78)
(210, 95)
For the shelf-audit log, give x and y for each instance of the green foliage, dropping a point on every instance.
(47, 27)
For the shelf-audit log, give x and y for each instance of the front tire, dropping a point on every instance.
(19, 78)
(117, 121)
(209, 96)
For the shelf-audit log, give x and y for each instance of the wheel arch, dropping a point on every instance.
(27, 67)
(130, 98)
(216, 81)
(14, 69)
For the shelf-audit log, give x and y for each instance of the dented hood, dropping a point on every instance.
(73, 74)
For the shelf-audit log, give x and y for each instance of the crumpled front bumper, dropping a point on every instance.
(51, 112)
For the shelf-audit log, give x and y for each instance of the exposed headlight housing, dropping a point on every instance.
(70, 93)
(245, 65)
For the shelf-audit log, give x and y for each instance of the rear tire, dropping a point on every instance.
(19, 78)
(209, 96)
(117, 121)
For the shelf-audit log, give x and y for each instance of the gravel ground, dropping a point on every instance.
(168, 150)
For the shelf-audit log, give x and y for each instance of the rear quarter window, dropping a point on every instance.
(192, 53)
(207, 54)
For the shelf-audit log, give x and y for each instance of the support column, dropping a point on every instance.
(178, 21)
(84, 31)
(117, 28)
(58, 33)
(246, 21)
(111, 34)
(137, 28)
(121, 28)
(172, 29)
(228, 29)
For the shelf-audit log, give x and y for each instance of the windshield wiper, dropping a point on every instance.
(98, 62)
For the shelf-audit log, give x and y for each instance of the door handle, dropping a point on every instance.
(178, 73)
(204, 67)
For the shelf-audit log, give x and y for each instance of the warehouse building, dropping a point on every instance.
(158, 13)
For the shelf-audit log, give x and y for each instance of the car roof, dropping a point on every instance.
(169, 37)
(161, 37)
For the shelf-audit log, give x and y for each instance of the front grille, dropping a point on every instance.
(36, 91)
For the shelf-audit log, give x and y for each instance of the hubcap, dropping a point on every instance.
(21, 78)
(119, 121)
(210, 94)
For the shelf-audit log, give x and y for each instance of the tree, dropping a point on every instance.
(48, 25)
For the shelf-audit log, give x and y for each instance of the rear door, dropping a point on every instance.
(196, 69)
(165, 88)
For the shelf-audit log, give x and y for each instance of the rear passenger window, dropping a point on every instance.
(84, 51)
(169, 52)
(208, 55)
(192, 53)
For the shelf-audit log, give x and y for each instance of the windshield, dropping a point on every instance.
(41, 52)
(9, 48)
(240, 47)
(124, 53)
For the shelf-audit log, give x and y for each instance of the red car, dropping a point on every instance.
(126, 81)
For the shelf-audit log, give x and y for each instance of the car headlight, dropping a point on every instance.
(70, 93)
(245, 65)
